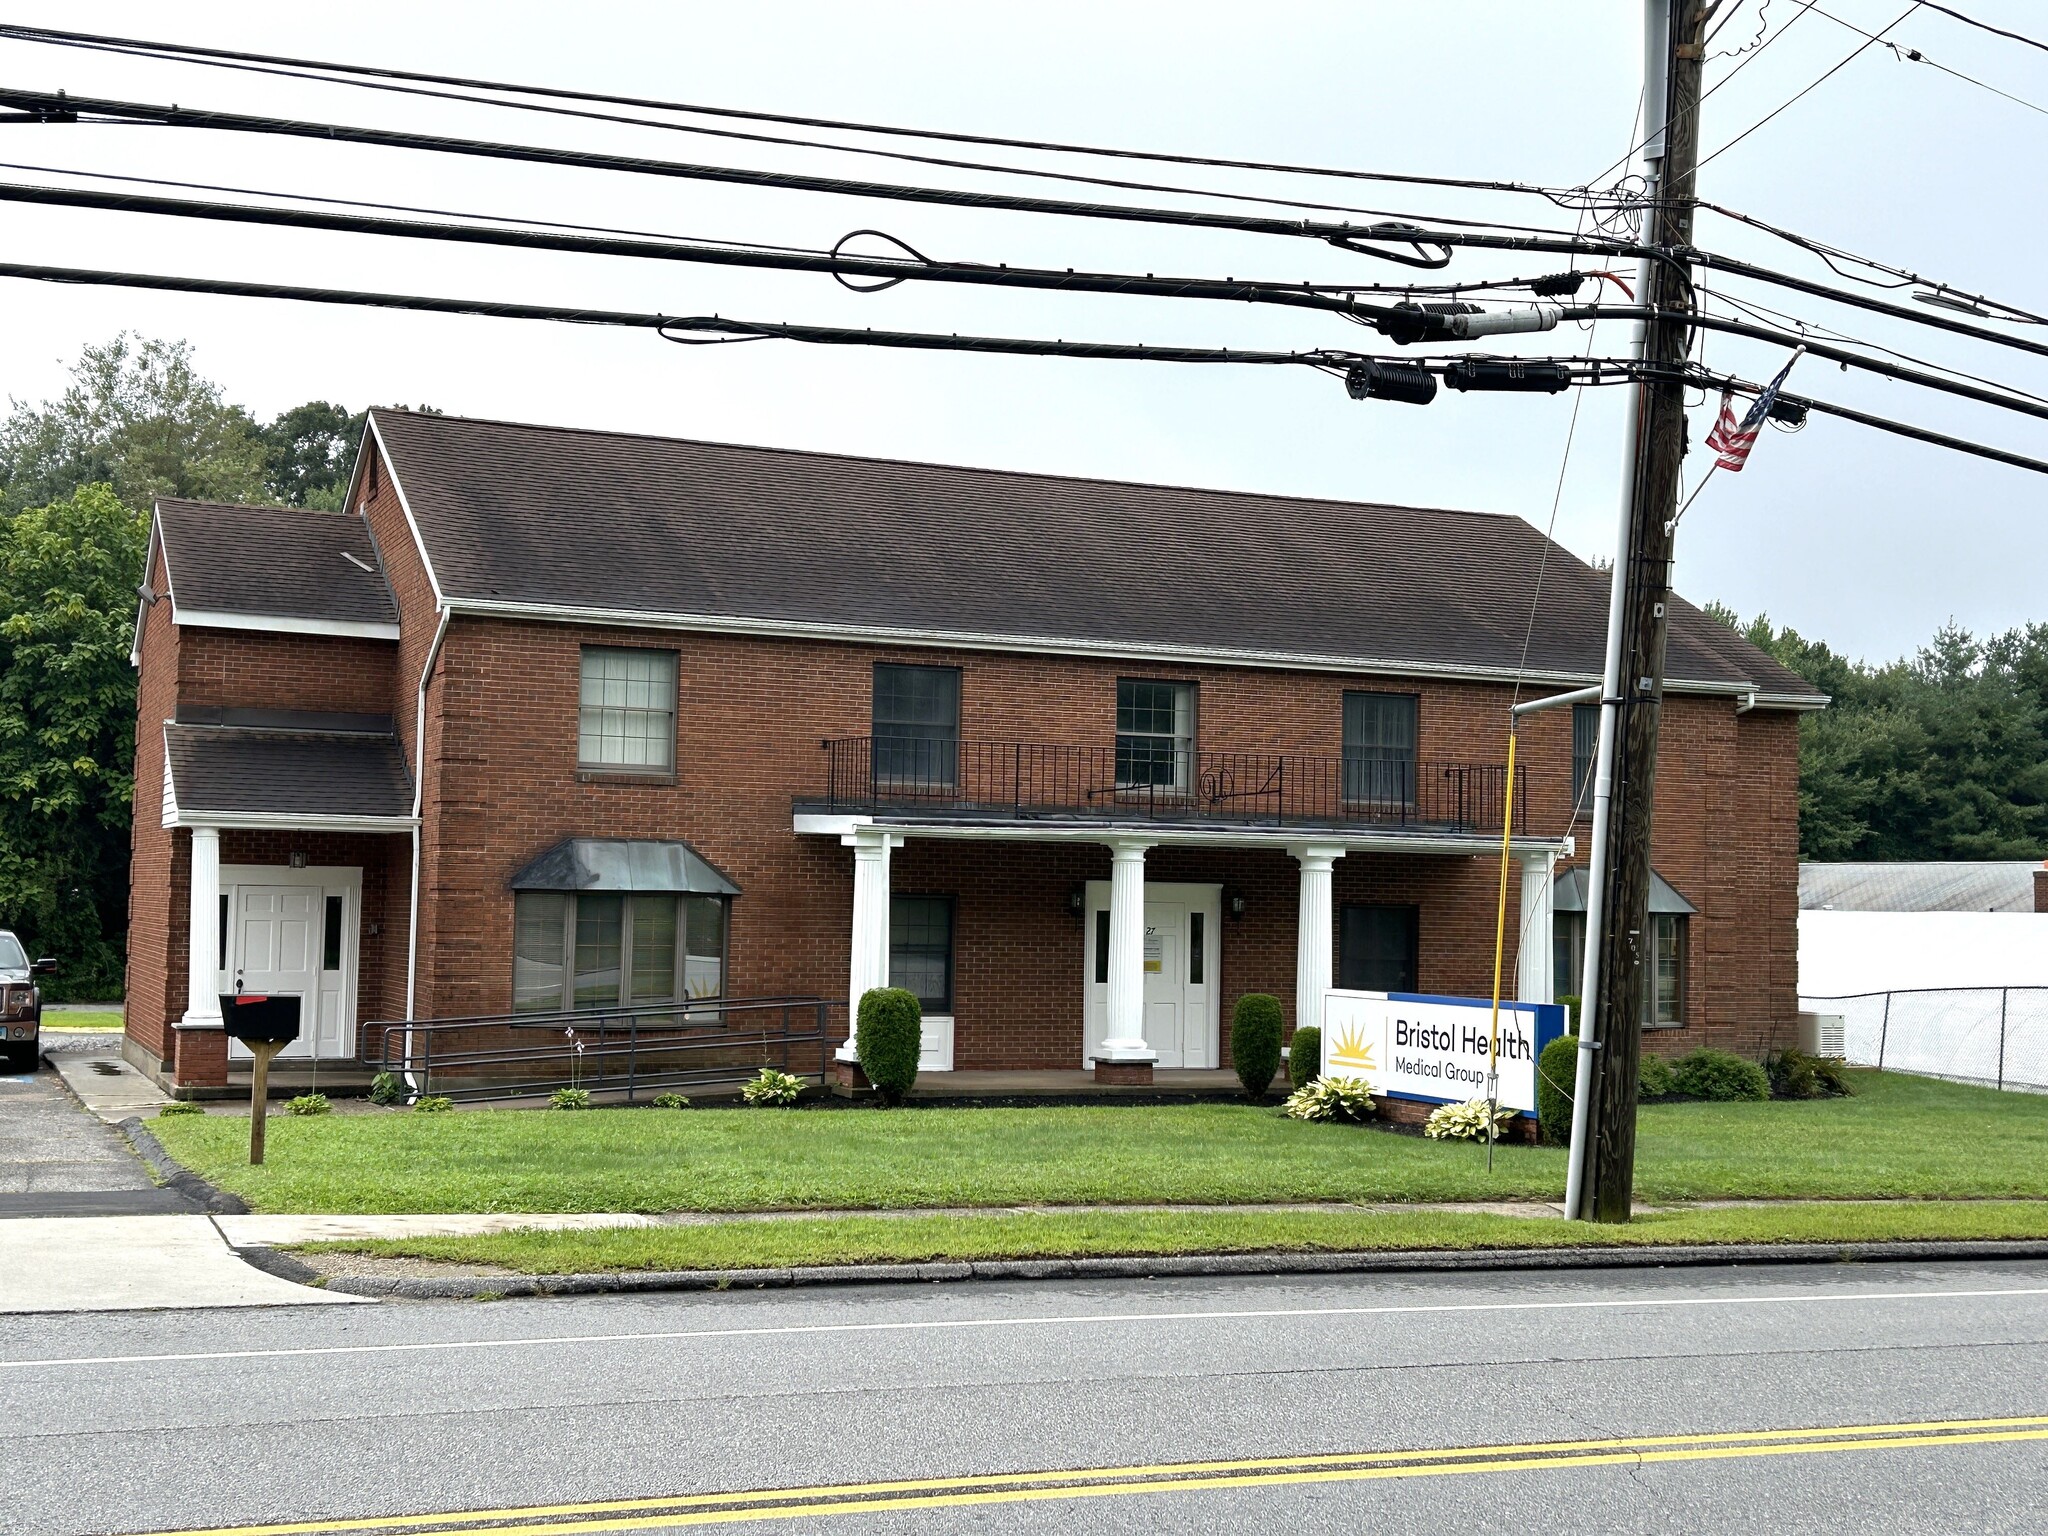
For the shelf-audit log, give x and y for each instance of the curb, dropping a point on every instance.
(464, 1288)
(208, 1196)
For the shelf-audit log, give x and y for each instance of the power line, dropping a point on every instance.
(223, 57)
(46, 106)
(1869, 41)
(1915, 56)
(1985, 26)
(1583, 371)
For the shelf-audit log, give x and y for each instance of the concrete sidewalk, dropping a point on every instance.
(105, 1084)
(134, 1263)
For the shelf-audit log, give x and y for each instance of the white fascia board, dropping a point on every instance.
(971, 640)
(170, 808)
(405, 506)
(291, 822)
(824, 824)
(285, 624)
(141, 608)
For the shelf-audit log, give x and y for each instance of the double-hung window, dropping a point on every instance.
(1663, 987)
(609, 949)
(1155, 733)
(627, 720)
(921, 950)
(916, 730)
(1379, 748)
(1585, 753)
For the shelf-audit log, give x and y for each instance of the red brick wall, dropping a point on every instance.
(252, 669)
(155, 954)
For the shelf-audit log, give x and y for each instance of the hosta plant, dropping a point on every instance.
(773, 1089)
(669, 1101)
(386, 1088)
(569, 1098)
(1332, 1098)
(433, 1105)
(1467, 1121)
(307, 1104)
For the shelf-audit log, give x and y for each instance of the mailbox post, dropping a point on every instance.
(266, 1025)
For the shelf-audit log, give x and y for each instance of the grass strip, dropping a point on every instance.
(80, 1018)
(1899, 1137)
(1062, 1235)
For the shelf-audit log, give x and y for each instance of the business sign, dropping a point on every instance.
(1411, 1046)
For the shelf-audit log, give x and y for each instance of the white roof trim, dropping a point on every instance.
(170, 791)
(149, 560)
(405, 506)
(974, 640)
(821, 824)
(284, 624)
(293, 822)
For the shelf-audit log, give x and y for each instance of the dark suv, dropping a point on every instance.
(21, 1005)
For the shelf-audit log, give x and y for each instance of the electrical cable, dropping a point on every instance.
(1854, 53)
(1346, 236)
(1985, 26)
(192, 54)
(1915, 56)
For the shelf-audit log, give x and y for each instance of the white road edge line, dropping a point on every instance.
(938, 1325)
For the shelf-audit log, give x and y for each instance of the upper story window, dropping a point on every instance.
(1585, 751)
(1155, 732)
(1379, 747)
(628, 718)
(916, 725)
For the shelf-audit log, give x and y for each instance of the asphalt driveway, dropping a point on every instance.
(58, 1160)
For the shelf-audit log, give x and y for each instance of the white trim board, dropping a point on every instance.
(282, 624)
(821, 824)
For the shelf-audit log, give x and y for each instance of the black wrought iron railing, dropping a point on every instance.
(1036, 780)
(633, 1052)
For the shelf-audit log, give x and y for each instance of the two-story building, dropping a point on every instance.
(554, 719)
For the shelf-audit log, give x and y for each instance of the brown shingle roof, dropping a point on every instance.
(232, 770)
(584, 520)
(273, 562)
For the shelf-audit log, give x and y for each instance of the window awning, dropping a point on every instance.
(1570, 894)
(620, 864)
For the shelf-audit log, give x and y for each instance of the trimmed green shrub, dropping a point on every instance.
(1570, 1002)
(1255, 1041)
(181, 1107)
(1796, 1075)
(1556, 1072)
(1654, 1078)
(1710, 1074)
(432, 1105)
(772, 1090)
(1304, 1056)
(569, 1098)
(668, 1101)
(1332, 1098)
(891, 1038)
(385, 1088)
(1466, 1121)
(308, 1104)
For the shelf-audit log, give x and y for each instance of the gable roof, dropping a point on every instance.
(570, 523)
(1994, 885)
(245, 567)
(301, 778)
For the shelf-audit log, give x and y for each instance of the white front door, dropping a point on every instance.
(1183, 990)
(292, 933)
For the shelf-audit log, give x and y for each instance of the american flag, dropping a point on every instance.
(1731, 440)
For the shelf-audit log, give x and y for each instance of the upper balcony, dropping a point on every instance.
(935, 779)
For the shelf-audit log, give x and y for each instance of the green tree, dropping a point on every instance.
(137, 417)
(68, 572)
(308, 453)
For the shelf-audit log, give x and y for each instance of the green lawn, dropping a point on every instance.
(80, 1018)
(745, 1244)
(1899, 1136)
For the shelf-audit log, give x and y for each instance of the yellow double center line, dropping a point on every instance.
(1169, 1477)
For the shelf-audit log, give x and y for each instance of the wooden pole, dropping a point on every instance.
(259, 1095)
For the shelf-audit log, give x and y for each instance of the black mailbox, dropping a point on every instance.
(255, 1016)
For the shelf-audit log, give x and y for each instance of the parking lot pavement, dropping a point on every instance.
(56, 1159)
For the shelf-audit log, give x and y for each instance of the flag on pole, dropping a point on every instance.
(1731, 440)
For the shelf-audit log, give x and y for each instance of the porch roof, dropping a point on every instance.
(309, 780)
(1351, 839)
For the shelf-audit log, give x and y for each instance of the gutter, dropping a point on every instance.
(419, 788)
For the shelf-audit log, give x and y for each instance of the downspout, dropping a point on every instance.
(419, 787)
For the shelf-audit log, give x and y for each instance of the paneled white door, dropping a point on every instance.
(1182, 983)
(290, 937)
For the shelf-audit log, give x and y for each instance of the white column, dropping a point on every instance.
(202, 986)
(868, 966)
(1126, 1040)
(1535, 981)
(1314, 933)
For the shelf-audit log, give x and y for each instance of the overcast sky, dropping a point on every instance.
(1863, 539)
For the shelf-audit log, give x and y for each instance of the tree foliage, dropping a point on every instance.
(67, 731)
(1941, 755)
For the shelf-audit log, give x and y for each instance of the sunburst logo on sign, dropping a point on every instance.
(1352, 1049)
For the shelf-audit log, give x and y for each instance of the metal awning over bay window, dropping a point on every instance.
(617, 923)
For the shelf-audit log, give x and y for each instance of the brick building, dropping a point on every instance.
(563, 719)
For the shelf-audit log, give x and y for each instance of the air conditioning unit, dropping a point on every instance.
(1821, 1034)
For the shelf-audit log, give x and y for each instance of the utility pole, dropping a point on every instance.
(1619, 951)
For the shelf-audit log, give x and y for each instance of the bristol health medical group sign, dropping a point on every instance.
(1412, 1046)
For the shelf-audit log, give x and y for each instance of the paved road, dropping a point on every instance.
(512, 1410)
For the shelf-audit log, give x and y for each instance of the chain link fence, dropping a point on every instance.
(1993, 1036)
